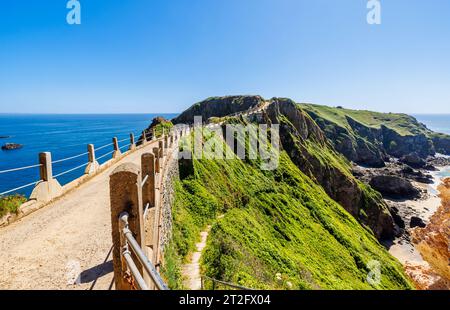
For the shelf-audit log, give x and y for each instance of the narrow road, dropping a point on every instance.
(66, 242)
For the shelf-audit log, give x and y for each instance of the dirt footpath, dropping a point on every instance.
(66, 242)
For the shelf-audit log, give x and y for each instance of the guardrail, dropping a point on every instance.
(46, 165)
(136, 214)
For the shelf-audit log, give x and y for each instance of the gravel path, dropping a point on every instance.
(66, 242)
(191, 270)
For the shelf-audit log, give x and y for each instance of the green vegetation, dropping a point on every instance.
(164, 126)
(11, 204)
(279, 230)
(403, 124)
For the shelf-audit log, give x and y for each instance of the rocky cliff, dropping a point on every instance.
(313, 154)
(218, 107)
(369, 138)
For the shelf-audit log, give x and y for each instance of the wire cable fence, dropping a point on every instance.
(69, 158)
(71, 170)
(18, 188)
(63, 160)
(20, 169)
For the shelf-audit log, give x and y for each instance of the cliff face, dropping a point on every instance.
(433, 240)
(313, 154)
(368, 138)
(218, 107)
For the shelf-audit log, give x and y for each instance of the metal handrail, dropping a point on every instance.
(148, 267)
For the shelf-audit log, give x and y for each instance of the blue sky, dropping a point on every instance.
(162, 56)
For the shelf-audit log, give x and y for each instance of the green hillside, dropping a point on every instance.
(274, 222)
(402, 123)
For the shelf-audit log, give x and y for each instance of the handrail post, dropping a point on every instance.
(144, 137)
(125, 196)
(132, 144)
(149, 198)
(161, 147)
(93, 165)
(156, 151)
(166, 144)
(117, 151)
(48, 187)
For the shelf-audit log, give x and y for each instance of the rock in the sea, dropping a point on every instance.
(4, 137)
(393, 186)
(11, 146)
(417, 222)
(413, 160)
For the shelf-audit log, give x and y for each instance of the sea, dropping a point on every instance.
(64, 136)
(437, 123)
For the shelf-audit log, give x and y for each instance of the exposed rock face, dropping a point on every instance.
(413, 160)
(433, 241)
(417, 222)
(442, 144)
(394, 186)
(299, 136)
(356, 148)
(218, 107)
(11, 146)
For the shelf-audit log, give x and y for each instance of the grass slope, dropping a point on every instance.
(402, 123)
(275, 222)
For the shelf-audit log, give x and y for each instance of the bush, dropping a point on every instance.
(11, 204)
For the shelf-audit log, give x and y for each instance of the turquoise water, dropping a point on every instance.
(435, 122)
(64, 136)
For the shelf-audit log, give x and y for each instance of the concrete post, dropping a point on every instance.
(117, 151)
(157, 160)
(125, 196)
(132, 144)
(166, 144)
(144, 137)
(153, 134)
(171, 140)
(93, 165)
(149, 197)
(161, 147)
(47, 188)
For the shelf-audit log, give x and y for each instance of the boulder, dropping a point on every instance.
(11, 146)
(413, 160)
(394, 186)
(417, 222)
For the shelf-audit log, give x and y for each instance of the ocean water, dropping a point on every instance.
(438, 123)
(64, 136)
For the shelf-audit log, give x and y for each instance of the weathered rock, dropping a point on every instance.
(394, 186)
(417, 222)
(413, 160)
(218, 107)
(11, 146)
(297, 131)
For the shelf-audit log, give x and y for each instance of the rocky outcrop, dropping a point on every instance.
(433, 241)
(306, 143)
(394, 187)
(356, 148)
(441, 143)
(413, 160)
(11, 146)
(218, 107)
